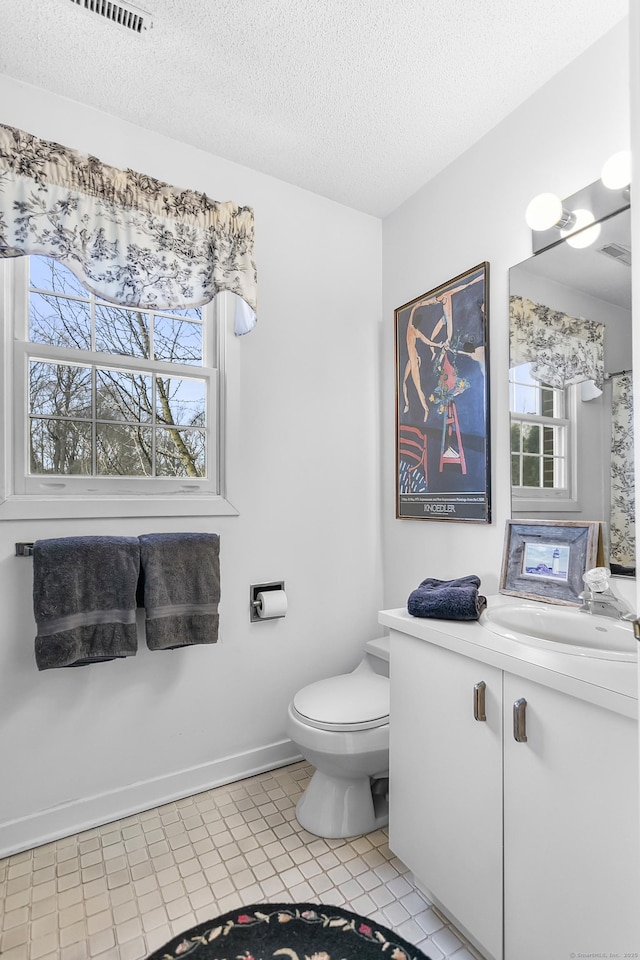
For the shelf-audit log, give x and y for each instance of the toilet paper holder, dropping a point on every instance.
(257, 588)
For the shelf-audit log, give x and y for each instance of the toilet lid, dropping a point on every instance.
(353, 701)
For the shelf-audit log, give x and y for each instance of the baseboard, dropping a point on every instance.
(78, 815)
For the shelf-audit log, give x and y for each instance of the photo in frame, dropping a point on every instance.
(442, 402)
(545, 560)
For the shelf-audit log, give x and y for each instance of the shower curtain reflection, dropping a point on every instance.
(622, 532)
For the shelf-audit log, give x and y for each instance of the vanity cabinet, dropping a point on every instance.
(530, 846)
(445, 783)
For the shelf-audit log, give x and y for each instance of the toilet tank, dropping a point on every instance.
(376, 653)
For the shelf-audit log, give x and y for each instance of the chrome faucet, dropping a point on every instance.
(598, 598)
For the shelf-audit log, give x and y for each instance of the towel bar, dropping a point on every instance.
(24, 549)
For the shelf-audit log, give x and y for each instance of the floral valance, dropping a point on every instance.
(129, 238)
(561, 349)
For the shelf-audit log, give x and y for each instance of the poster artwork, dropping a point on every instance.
(442, 402)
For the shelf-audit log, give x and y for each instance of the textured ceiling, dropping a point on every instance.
(361, 101)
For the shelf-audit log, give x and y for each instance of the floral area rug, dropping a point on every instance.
(293, 931)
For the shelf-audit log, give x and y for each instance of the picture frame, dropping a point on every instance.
(442, 450)
(545, 560)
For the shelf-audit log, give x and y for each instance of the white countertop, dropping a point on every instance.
(607, 683)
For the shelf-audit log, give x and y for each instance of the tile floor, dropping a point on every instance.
(120, 891)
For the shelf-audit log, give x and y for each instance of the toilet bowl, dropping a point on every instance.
(341, 726)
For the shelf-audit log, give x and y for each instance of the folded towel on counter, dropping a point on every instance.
(84, 599)
(447, 599)
(181, 588)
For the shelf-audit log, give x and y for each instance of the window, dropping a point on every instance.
(540, 440)
(108, 402)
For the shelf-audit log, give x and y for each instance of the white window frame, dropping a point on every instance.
(551, 499)
(25, 497)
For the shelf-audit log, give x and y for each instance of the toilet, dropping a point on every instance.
(341, 726)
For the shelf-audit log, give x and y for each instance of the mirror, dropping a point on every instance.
(572, 434)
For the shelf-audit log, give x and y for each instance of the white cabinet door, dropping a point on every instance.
(446, 783)
(570, 870)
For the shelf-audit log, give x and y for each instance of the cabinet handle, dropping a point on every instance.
(478, 700)
(520, 720)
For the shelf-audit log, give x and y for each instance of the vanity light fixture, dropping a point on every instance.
(576, 219)
(546, 211)
(582, 237)
(616, 173)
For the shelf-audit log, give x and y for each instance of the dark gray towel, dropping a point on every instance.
(447, 599)
(181, 588)
(84, 599)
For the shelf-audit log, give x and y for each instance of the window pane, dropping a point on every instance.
(45, 273)
(122, 331)
(531, 471)
(549, 440)
(548, 472)
(180, 453)
(123, 396)
(530, 438)
(522, 374)
(59, 322)
(525, 399)
(177, 341)
(180, 401)
(554, 472)
(515, 470)
(515, 436)
(123, 451)
(550, 400)
(59, 389)
(59, 447)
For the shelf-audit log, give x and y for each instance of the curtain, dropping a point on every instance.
(561, 349)
(130, 239)
(623, 537)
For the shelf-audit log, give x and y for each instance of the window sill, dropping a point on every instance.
(544, 505)
(63, 508)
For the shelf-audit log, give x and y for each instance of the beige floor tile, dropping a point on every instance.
(154, 919)
(121, 891)
(75, 951)
(14, 938)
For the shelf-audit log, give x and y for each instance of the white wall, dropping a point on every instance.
(474, 211)
(303, 469)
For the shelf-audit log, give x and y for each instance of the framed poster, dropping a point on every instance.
(546, 560)
(442, 402)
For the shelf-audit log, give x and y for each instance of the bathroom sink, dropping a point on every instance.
(564, 629)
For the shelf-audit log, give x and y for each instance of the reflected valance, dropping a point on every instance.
(561, 349)
(129, 238)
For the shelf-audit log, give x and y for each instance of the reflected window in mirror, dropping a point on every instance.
(540, 435)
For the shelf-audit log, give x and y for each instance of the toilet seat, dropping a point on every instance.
(352, 701)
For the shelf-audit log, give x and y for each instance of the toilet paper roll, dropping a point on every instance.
(272, 603)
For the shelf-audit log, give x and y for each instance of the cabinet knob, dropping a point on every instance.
(479, 700)
(520, 720)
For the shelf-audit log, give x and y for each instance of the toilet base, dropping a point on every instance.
(334, 807)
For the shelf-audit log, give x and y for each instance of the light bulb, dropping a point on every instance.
(616, 172)
(544, 211)
(585, 237)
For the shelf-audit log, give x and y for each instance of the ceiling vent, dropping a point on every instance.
(124, 14)
(617, 252)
